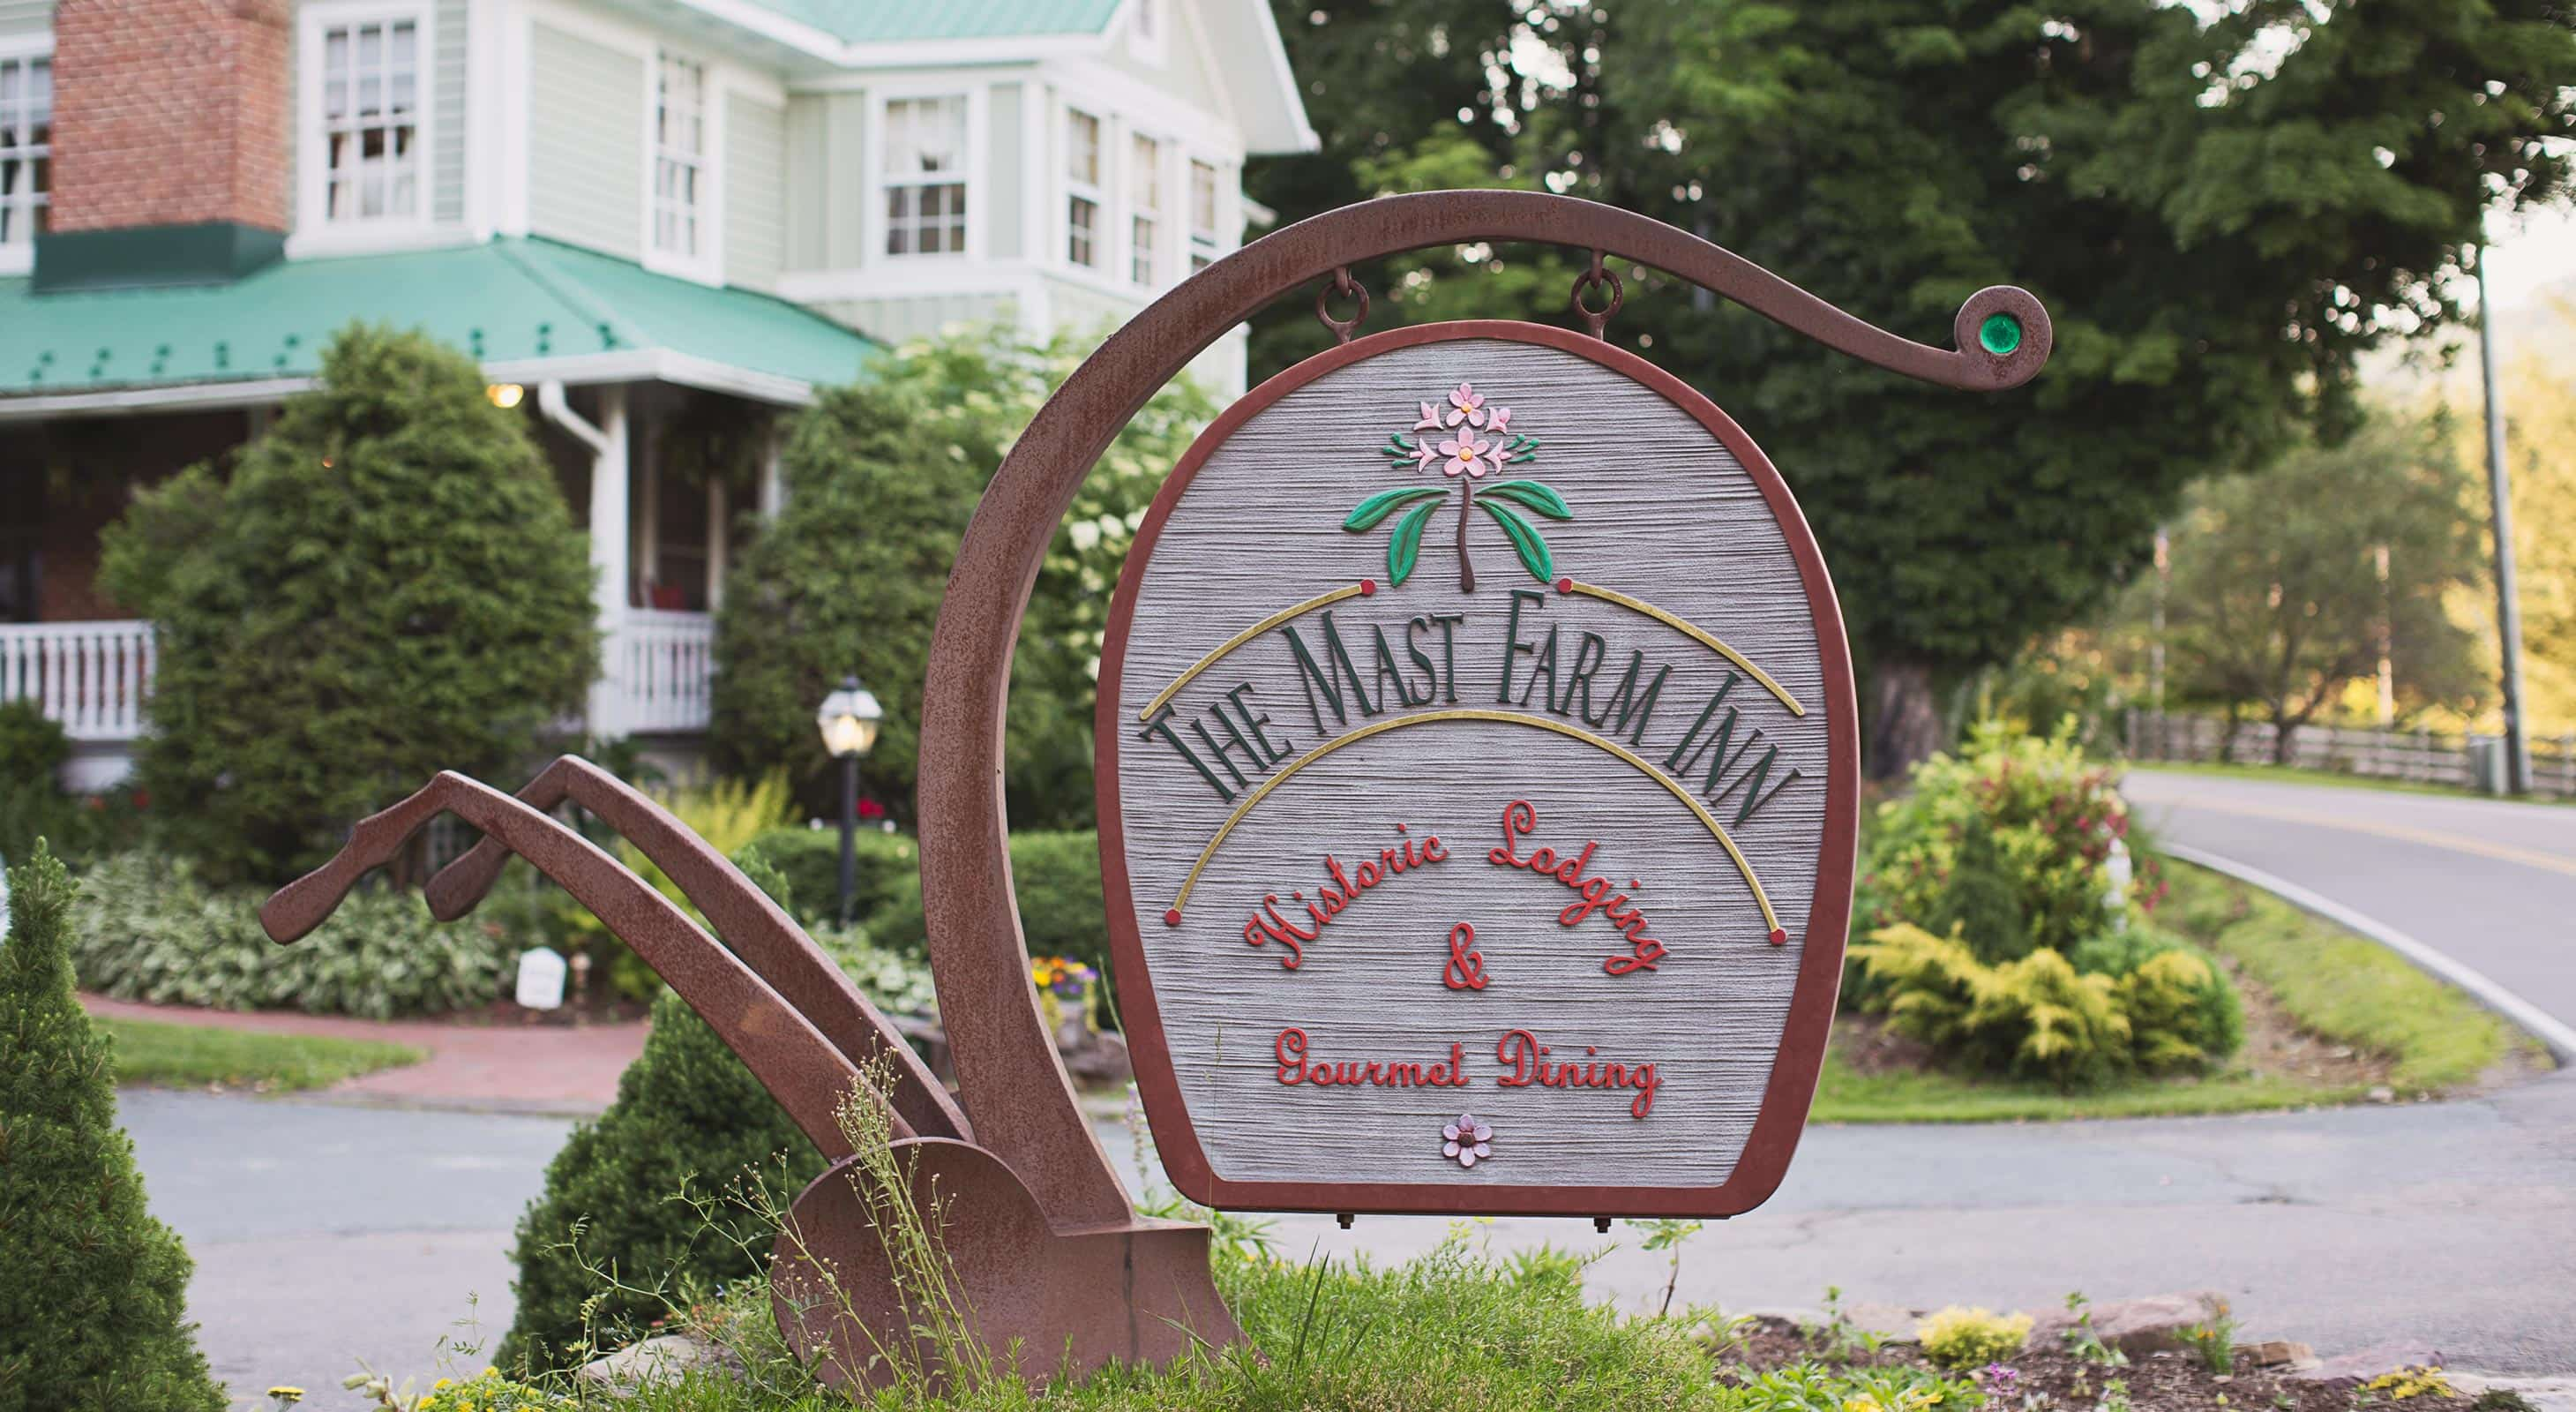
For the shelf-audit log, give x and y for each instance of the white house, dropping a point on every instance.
(617, 206)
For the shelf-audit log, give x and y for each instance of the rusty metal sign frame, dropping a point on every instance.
(1048, 1256)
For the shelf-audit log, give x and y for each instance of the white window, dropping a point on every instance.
(1083, 235)
(1203, 244)
(26, 147)
(371, 121)
(1145, 30)
(680, 159)
(1145, 207)
(924, 171)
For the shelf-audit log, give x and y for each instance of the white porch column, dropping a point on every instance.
(608, 532)
(773, 476)
(719, 539)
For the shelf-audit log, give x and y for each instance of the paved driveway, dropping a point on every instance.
(2491, 883)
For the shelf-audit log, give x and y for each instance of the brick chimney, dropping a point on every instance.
(171, 125)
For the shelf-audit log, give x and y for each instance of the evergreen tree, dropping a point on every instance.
(688, 1117)
(390, 585)
(881, 479)
(94, 1295)
(2220, 214)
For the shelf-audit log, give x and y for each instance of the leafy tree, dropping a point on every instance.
(2540, 451)
(2276, 596)
(389, 585)
(2219, 214)
(881, 479)
(92, 1312)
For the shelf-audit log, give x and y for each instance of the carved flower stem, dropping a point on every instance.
(1466, 572)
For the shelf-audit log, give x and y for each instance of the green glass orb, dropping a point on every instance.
(1999, 334)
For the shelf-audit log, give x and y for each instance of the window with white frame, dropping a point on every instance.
(924, 171)
(1145, 30)
(371, 120)
(1145, 207)
(26, 146)
(1083, 236)
(679, 158)
(1203, 246)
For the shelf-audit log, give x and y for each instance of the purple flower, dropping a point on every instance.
(1467, 1140)
(1999, 1378)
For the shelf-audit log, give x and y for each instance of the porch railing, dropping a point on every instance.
(660, 669)
(91, 677)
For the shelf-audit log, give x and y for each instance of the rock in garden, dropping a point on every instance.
(2351, 1370)
(662, 1358)
(2136, 1327)
(2274, 1353)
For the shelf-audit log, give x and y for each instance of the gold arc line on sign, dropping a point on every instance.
(1683, 625)
(1716, 830)
(1163, 697)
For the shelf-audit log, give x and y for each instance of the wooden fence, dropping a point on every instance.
(2421, 757)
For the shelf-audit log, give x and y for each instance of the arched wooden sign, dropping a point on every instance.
(1478, 780)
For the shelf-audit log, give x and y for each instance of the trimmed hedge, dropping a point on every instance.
(809, 860)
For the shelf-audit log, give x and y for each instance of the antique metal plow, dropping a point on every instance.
(1046, 1294)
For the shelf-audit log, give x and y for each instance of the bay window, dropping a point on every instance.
(679, 159)
(26, 147)
(923, 169)
(370, 113)
(1145, 208)
(1203, 243)
(1083, 235)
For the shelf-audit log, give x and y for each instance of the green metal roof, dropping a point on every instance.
(887, 22)
(507, 301)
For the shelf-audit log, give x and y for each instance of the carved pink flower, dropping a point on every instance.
(1467, 1140)
(1498, 421)
(1469, 455)
(1467, 405)
(1430, 418)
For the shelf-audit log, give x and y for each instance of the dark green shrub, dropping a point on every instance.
(688, 1116)
(390, 585)
(154, 932)
(1981, 902)
(1056, 877)
(93, 1306)
(32, 747)
(809, 860)
(881, 478)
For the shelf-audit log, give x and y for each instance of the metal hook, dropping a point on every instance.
(1597, 323)
(1346, 287)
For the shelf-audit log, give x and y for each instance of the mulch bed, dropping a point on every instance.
(2054, 1378)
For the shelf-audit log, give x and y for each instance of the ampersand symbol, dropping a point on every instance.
(1466, 969)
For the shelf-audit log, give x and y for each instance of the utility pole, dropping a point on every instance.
(2517, 746)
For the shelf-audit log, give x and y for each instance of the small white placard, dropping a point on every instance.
(541, 978)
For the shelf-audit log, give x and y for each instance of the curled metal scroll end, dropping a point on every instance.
(2003, 336)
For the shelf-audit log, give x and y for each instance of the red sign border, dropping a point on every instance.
(1800, 1057)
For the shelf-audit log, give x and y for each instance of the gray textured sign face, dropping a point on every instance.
(1477, 790)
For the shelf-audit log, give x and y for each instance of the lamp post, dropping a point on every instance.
(848, 719)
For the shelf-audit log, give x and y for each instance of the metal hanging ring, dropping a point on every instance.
(1347, 287)
(1597, 322)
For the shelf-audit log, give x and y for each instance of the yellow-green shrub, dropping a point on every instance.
(1967, 1338)
(2040, 1017)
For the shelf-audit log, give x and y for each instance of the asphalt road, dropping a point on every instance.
(2491, 883)
(326, 1234)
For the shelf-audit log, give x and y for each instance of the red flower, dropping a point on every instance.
(870, 809)
(142, 799)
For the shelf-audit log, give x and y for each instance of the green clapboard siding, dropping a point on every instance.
(884, 22)
(1006, 189)
(808, 154)
(755, 215)
(447, 111)
(26, 16)
(585, 143)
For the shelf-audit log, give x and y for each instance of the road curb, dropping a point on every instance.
(2553, 1034)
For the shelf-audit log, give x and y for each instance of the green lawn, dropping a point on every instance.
(193, 1056)
(2287, 774)
(2336, 985)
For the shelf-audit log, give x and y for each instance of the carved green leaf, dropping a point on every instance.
(1406, 547)
(1535, 496)
(1525, 540)
(1377, 507)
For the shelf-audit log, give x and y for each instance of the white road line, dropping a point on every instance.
(2560, 1039)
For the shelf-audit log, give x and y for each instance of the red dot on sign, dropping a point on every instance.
(1173, 918)
(1778, 937)
(1368, 588)
(1565, 585)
